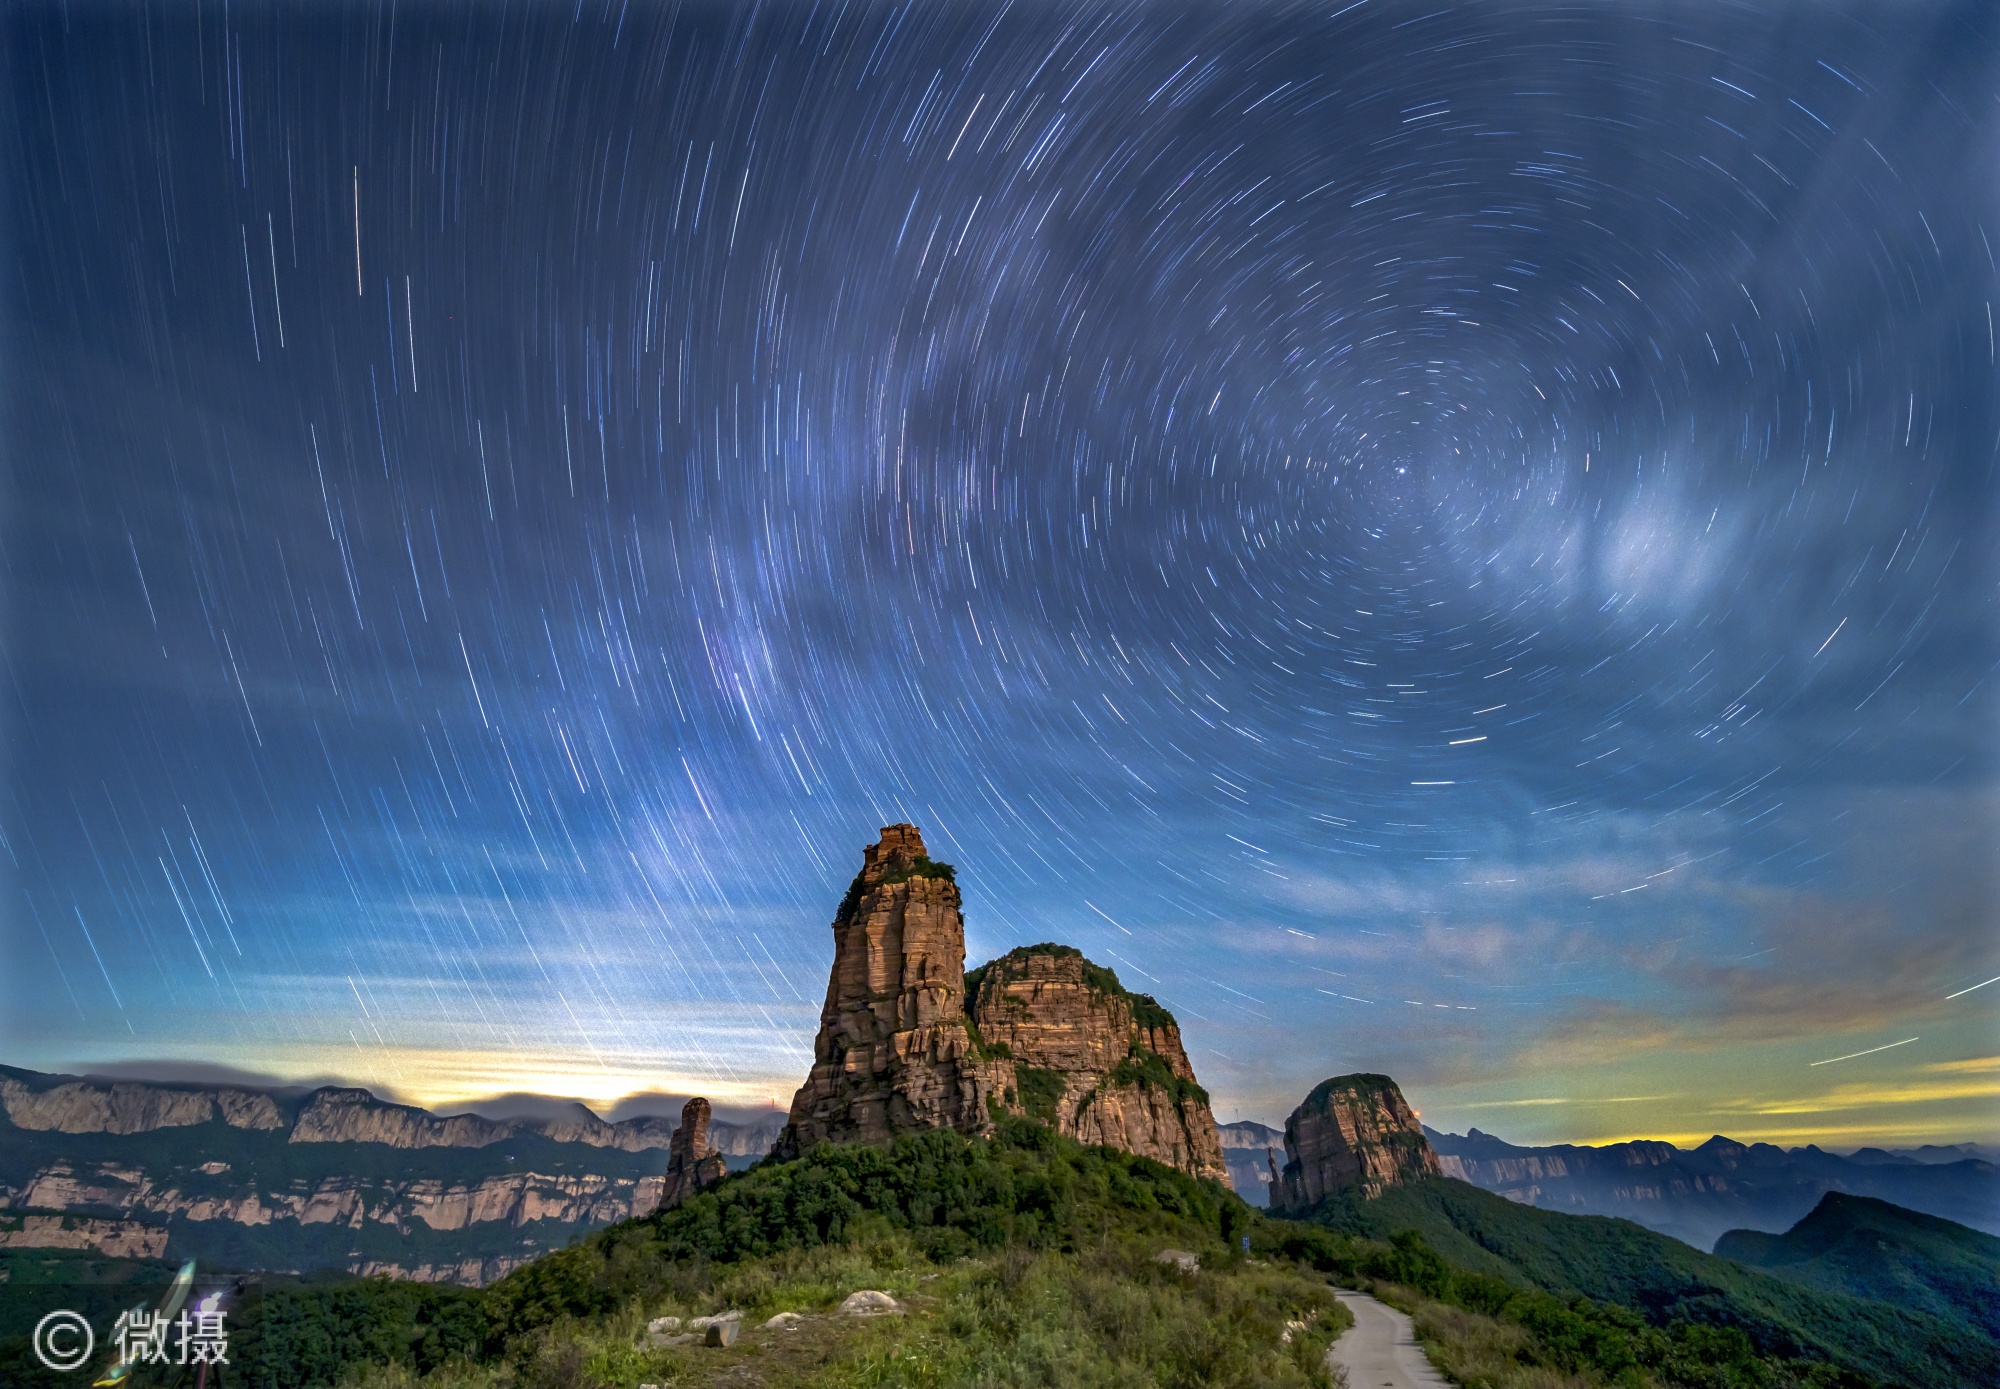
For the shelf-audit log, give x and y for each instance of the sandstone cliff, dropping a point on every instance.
(334, 1178)
(332, 1114)
(131, 1107)
(892, 1054)
(1353, 1133)
(1079, 1052)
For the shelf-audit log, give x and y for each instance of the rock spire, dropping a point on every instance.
(892, 1052)
(1353, 1133)
(692, 1162)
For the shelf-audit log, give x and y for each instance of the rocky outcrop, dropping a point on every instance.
(1076, 1050)
(909, 1041)
(339, 1115)
(81, 1106)
(691, 1163)
(1353, 1134)
(336, 1114)
(332, 1114)
(308, 1182)
(120, 1239)
(893, 1054)
(751, 1139)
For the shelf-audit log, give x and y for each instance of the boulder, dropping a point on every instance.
(869, 1302)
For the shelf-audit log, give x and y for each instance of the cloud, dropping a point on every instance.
(1867, 1095)
(1973, 1063)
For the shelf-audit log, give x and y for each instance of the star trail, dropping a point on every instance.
(1451, 541)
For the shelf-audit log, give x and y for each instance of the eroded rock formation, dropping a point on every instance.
(1353, 1133)
(692, 1162)
(893, 1054)
(909, 1041)
(1094, 1061)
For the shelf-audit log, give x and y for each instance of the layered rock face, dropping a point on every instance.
(1075, 1050)
(330, 1114)
(291, 1180)
(132, 1107)
(1353, 1133)
(892, 1054)
(692, 1162)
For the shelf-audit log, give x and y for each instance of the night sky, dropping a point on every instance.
(1452, 540)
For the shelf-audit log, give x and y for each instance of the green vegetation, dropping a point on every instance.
(918, 867)
(1148, 1068)
(1029, 1260)
(983, 1050)
(1484, 1242)
(1146, 1010)
(1870, 1248)
(1040, 1092)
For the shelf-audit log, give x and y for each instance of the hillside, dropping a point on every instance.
(1869, 1248)
(1696, 1194)
(1619, 1262)
(1027, 1260)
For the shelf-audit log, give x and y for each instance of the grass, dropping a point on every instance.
(1112, 1317)
(1492, 1244)
(1030, 1260)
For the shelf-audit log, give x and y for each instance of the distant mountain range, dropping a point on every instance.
(1245, 1146)
(300, 1180)
(1697, 1194)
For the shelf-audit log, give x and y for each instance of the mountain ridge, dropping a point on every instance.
(1869, 1248)
(1696, 1194)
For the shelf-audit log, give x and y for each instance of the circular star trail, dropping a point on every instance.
(1455, 542)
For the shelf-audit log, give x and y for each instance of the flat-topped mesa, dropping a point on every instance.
(1353, 1133)
(1069, 1046)
(891, 1054)
(692, 1161)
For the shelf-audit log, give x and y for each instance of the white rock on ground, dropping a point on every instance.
(868, 1303)
(784, 1321)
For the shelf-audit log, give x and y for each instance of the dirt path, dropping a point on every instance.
(1380, 1350)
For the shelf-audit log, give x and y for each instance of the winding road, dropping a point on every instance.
(1380, 1350)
